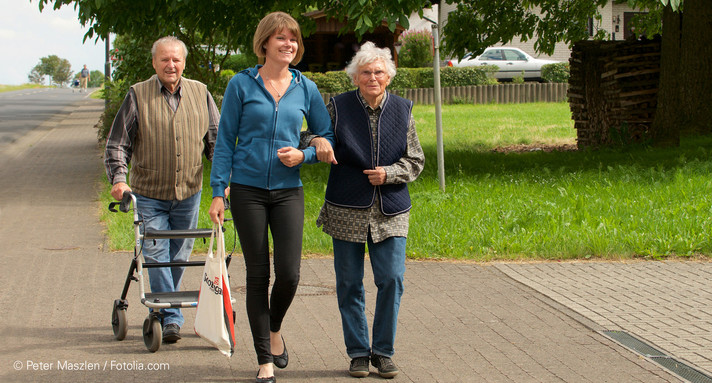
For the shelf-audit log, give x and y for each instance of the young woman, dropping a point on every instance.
(255, 154)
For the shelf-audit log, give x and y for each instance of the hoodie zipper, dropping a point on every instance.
(274, 133)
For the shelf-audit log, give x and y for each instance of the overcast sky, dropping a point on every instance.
(26, 34)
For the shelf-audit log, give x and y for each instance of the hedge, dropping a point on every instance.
(409, 78)
(558, 72)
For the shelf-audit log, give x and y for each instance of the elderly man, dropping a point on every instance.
(84, 78)
(163, 127)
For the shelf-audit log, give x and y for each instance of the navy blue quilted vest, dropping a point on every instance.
(348, 186)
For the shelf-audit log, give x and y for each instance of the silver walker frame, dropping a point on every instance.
(152, 328)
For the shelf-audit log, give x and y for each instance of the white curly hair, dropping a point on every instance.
(367, 54)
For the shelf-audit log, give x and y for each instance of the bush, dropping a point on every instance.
(227, 74)
(558, 72)
(114, 93)
(407, 78)
(331, 82)
(97, 79)
(217, 87)
(131, 58)
(416, 49)
(465, 76)
(240, 61)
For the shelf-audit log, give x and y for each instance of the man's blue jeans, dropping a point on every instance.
(388, 265)
(168, 215)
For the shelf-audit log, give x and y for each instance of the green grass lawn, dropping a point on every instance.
(8, 88)
(637, 202)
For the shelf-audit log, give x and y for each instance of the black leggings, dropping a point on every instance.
(255, 212)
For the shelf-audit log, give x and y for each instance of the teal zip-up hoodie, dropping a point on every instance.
(253, 127)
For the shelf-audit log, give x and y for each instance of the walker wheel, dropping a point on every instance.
(118, 321)
(152, 333)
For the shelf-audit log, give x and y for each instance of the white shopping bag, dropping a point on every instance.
(214, 319)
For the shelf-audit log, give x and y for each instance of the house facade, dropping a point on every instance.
(327, 50)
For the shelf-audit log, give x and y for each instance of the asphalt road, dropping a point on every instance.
(22, 111)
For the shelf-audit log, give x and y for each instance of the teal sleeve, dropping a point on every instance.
(318, 122)
(226, 139)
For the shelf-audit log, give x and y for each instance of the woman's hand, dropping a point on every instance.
(217, 210)
(324, 151)
(290, 156)
(376, 176)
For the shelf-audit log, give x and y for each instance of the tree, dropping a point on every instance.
(132, 57)
(62, 73)
(97, 79)
(685, 89)
(667, 120)
(58, 69)
(478, 25)
(695, 79)
(36, 76)
(210, 29)
(48, 65)
(685, 84)
(214, 29)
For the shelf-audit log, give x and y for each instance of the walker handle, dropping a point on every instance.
(124, 205)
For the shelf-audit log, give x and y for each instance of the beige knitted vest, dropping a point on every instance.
(167, 159)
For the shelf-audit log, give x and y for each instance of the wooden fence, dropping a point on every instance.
(485, 94)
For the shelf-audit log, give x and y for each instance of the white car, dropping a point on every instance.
(512, 62)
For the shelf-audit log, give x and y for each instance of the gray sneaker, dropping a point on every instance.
(171, 333)
(359, 367)
(386, 368)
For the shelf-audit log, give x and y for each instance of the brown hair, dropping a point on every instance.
(275, 22)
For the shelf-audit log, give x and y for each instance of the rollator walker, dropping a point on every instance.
(152, 329)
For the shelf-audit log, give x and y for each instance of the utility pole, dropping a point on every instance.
(438, 104)
(107, 66)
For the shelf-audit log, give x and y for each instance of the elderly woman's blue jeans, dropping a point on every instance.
(388, 265)
(168, 215)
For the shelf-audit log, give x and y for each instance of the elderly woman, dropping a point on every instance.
(377, 153)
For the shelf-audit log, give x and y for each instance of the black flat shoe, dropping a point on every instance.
(281, 360)
(270, 379)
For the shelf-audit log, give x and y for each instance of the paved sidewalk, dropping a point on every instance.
(459, 322)
(668, 304)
